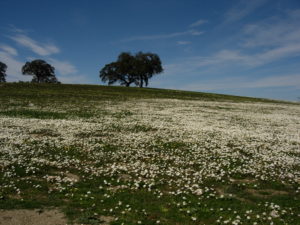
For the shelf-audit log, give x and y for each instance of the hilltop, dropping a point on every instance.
(88, 92)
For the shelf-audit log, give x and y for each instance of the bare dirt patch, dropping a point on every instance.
(14, 196)
(221, 192)
(44, 133)
(116, 188)
(243, 181)
(106, 219)
(265, 193)
(32, 217)
(125, 177)
(73, 176)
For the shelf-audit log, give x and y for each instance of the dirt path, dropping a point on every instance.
(32, 217)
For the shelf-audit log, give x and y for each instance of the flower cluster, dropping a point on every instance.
(167, 147)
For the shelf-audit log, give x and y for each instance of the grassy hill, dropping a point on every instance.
(116, 155)
(97, 92)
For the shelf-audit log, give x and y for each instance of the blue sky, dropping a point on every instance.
(238, 47)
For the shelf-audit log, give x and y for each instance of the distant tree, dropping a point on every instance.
(147, 65)
(41, 71)
(128, 69)
(111, 73)
(119, 71)
(3, 68)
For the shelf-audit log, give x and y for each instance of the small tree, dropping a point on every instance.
(42, 71)
(130, 69)
(3, 68)
(126, 67)
(119, 71)
(147, 65)
(111, 73)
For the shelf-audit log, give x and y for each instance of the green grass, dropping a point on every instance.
(68, 93)
(93, 196)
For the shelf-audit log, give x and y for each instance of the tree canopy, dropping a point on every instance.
(3, 68)
(128, 69)
(41, 71)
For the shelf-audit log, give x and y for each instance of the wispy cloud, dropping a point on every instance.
(273, 31)
(276, 81)
(8, 49)
(198, 23)
(65, 71)
(267, 41)
(14, 29)
(273, 39)
(163, 36)
(68, 73)
(13, 67)
(183, 42)
(232, 59)
(242, 9)
(63, 67)
(253, 60)
(76, 79)
(38, 48)
(278, 53)
(192, 65)
(231, 83)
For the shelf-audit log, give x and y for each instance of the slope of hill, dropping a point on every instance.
(114, 155)
(90, 92)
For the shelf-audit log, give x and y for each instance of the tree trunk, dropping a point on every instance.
(141, 82)
(127, 84)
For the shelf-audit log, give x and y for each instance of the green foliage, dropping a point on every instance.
(146, 65)
(34, 114)
(42, 71)
(3, 68)
(130, 69)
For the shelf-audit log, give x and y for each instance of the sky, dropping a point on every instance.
(238, 47)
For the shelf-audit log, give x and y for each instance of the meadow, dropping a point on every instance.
(116, 155)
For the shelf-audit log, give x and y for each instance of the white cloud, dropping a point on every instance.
(164, 36)
(232, 83)
(38, 48)
(276, 81)
(272, 39)
(76, 79)
(198, 23)
(224, 57)
(63, 67)
(194, 32)
(13, 67)
(183, 42)
(273, 31)
(242, 9)
(15, 29)
(232, 59)
(267, 41)
(66, 72)
(235, 57)
(9, 50)
(277, 54)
